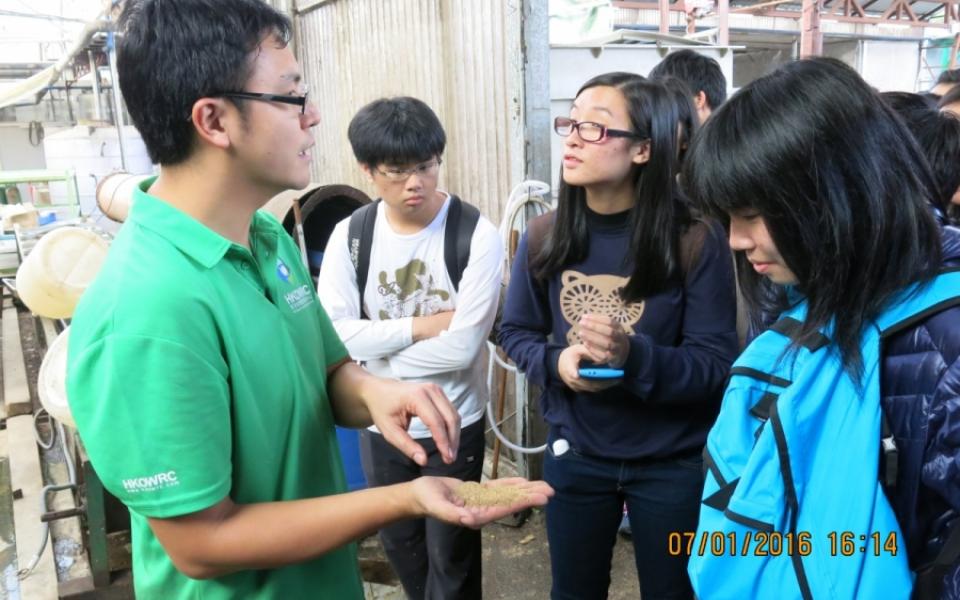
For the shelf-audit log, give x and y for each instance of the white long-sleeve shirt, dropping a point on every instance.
(408, 278)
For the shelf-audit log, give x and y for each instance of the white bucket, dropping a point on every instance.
(59, 269)
(115, 194)
(52, 380)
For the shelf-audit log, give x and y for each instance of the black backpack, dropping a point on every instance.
(461, 222)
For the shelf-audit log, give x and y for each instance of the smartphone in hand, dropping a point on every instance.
(600, 373)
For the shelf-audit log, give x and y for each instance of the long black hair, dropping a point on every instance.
(658, 217)
(843, 190)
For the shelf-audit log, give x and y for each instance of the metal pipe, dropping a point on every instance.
(309, 7)
(117, 99)
(56, 515)
(826, 34)
(536, 89)
(95, 74)
(14, 13)
(752, 7)
(45, 514)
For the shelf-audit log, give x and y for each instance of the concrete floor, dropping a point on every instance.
(516, 565)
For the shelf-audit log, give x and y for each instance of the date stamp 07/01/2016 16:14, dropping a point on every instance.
(774, 543)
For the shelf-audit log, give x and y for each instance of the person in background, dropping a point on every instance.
(950, 101)
(203, 374)
(946, 81)
(907, 102)
(416, 323)
(701, 74)
(622, 276)
(938, 133)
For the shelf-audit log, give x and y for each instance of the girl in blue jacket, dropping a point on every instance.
(623, 276)
(827, 195)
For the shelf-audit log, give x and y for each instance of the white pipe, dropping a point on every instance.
(527, 193)
(117, 97)
(490, 418)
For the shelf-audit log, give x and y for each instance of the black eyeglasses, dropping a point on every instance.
(427, 169)
(588, 130)
(300, 101)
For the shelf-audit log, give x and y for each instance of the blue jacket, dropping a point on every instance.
(920, 387)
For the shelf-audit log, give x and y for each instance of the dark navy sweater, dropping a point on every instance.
(682, 344)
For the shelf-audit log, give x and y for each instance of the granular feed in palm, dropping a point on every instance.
(475, 494)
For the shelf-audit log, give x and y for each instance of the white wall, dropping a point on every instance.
(18, 154)
(891, 66)
(16, 151)
(93, 153)
(752, 64)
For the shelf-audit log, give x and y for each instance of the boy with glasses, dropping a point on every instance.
(204, 376)
(412, 320)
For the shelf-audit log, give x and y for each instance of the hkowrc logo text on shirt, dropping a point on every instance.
(152, 483)
(299, 298)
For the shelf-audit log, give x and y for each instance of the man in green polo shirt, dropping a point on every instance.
(204, 376)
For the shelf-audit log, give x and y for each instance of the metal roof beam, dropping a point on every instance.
(14, 13)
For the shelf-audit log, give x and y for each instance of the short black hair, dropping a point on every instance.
(400, 130)
(904, 102)
(938, 133)
(949, 76)
(951, 97)
(700, 73)
(171, 53)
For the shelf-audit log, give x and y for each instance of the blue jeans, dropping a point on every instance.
(662, 496)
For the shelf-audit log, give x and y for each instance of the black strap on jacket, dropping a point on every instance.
(462, 220)
(929, 583)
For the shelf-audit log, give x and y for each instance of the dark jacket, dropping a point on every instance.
(920, 389)
(682, 342)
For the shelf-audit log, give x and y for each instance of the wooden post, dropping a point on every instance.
(664, 15)
(723, 14)
(811, 38)
(954, 49)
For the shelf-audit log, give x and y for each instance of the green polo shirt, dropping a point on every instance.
(197, 370)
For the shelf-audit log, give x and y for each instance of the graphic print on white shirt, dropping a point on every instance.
(413, 292)
(407, 279)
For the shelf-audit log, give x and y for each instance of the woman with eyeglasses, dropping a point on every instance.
(622, 281)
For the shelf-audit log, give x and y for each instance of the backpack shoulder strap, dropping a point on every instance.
(359, 242)
(462, 220)
(537, 230)
(691, 245)
(929, 583)
(919, 303)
